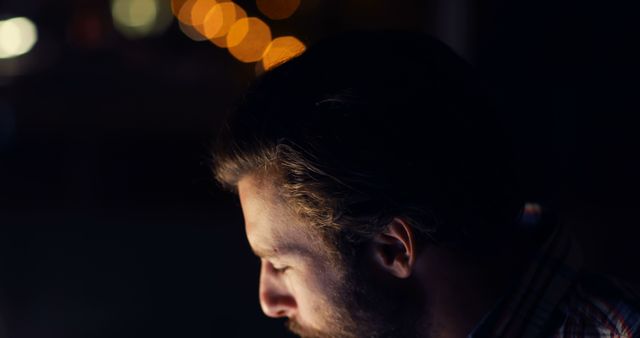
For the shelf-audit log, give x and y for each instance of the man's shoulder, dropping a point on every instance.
(600, 306)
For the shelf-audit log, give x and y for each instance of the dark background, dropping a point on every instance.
(111, 224)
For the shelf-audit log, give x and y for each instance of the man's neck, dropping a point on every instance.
(462, 289)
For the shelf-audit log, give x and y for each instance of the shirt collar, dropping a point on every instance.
(526, 309)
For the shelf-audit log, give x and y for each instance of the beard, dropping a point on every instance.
(366, 304)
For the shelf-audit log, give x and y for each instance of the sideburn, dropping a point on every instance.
(380, 305)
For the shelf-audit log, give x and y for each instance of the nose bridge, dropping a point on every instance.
(275, 298)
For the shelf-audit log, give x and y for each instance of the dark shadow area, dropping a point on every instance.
(112, 226)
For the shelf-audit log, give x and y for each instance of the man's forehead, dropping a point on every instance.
(271, 241)
(259, 207)
(258, 185)
(260, 193)
(272, 229)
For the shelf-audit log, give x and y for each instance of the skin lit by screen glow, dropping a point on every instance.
(278, 9)
(248, 38)
(280, 50)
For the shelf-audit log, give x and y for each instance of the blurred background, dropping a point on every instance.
(110, 222)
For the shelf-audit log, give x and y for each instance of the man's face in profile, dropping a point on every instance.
(299, 280)
(295, 281)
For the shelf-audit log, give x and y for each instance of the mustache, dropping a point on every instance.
(305, 332)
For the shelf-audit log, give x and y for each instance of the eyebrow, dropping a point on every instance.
(283, 250)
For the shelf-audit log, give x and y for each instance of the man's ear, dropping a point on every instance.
(394, 248)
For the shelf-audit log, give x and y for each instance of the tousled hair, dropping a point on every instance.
(369, 126)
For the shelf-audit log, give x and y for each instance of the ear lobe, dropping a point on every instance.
(394, 248)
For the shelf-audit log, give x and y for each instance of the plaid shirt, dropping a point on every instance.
(554, 298)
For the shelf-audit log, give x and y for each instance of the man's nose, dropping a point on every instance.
(275, 299)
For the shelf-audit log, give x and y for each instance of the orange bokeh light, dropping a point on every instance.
(220, 42)
(176, 6)
(191, 32)
(280, 50)
(278, 9)
(219, 20)
(248, 38)
(199, 12)
(184, 12)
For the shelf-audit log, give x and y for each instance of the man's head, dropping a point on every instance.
(353, 160)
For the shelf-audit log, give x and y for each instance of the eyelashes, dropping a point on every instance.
(279, 269)
(274, 268)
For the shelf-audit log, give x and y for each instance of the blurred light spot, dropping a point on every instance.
(87, 30)
(191, 32)
(226, 25)
(248, 38)
(280, 50)
(184, 12)
(219, 21)
(278, 9)
(220, 42)
(531, 213)
(199, 11)
(135, 13)
(139, 18)
(176, 6)
(17, 37)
